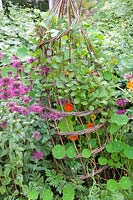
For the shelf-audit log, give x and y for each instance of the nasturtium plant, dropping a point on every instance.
(68, 192)
(112, 185)
(58, 151)
(47, 194)
(128, 152)
(66, 125)
(119, 119)
(71, 152)
(125, 183)
(33, 195)
(115, 146)
(102, 161)
(86, 153)
(113, 128)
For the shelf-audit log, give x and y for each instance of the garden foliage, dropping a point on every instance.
(66, 106)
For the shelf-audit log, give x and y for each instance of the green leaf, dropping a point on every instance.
(102, 161)
(5, 70)
(47, 194)
(58, 151)
(33, 195)
(68, 192)
(119, 119)
(113, 128)
(112, 185)
(115, 146)
(128, 152)
(6, 60)
(107, 75)
(66, 125)
(70, 152)
(76, 101)
(125, 183)
(86, 153)
(22, 52)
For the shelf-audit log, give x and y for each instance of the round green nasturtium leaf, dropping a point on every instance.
(125, 183)
(128, 152)
(102, 161)
(112, 185)
(86, 153)
(33, 195)
(107, 75)
(58, 151)
(6, 60)
(111, 163)
(113, 128)
(47, 194)
(119, 119)
(68, 192)
(70, 152)
(22, 52)
(115, 146)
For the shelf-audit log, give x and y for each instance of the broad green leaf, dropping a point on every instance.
(33, 195)
(66, 125)
(58, 151)
(68, 192)
(113, 128)
(107, 75)
(115, 146)
(47, 194)
(112, 185)
(77, 101)
(70, 152)
(119, 119)
(102, 161)
(22, 52)
(125, 183)
(6, 60)
(128, 152)
(86, 153)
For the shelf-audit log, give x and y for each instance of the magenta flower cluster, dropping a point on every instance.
(45, 70)
(121, 103)
(9, 88)
(14, 107)
(36, 135)
(38, 155)
(16, 62)
(53, 116)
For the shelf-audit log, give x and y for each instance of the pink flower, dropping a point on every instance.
(31, 60)
(121, 112)
(6, 81)
(36, 109)
(122, 102)
(128, 76)
(26, 100)
(1, 55)
(3, 124)
(36, 135)
(16, 62)
(38, 155)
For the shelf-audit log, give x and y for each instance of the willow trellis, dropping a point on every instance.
(71, 10)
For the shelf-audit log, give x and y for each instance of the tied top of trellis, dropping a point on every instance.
(67, 7)
(71, 10)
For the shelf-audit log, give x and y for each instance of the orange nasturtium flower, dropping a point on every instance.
(73, 137)
(68, 107)
(130, 84)
(90, 125)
